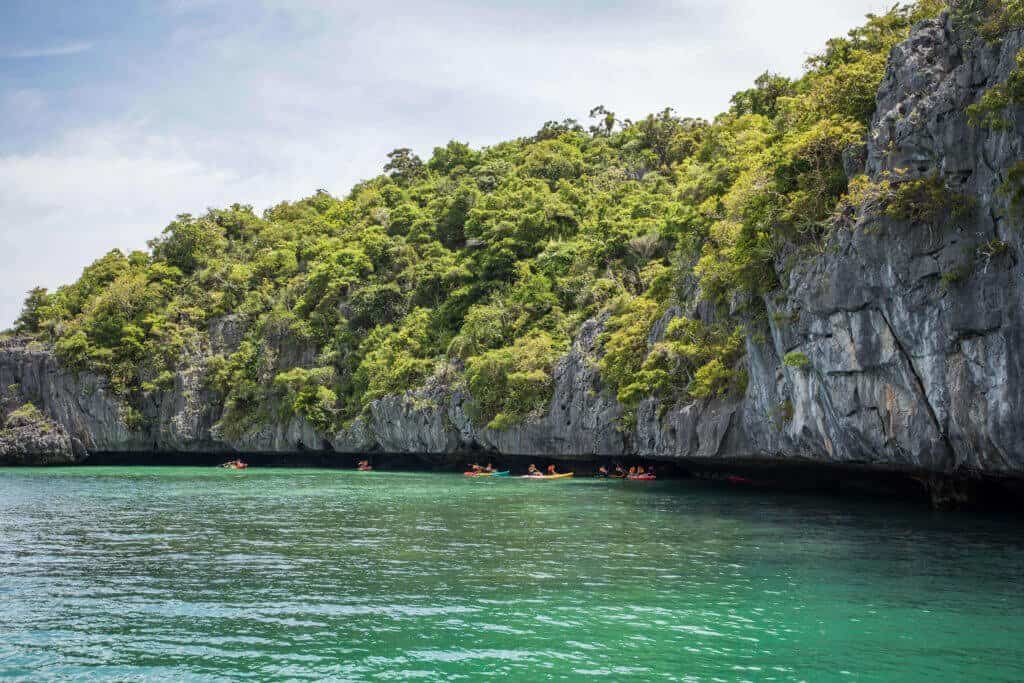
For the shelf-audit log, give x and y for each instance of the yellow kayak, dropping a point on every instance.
(567, 475)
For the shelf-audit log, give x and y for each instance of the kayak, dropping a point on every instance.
(486, 474)
(642, 477)
(567, 475)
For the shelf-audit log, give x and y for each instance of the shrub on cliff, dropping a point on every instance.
(28, 415)
(513, 382)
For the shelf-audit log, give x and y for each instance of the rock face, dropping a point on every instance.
(28, 437)
(895, 363)
(912, 330)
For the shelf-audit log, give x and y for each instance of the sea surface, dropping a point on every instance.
(130, 573)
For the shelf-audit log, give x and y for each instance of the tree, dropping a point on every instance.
(553, 160)
(605, 121)
(404, 166)
(189, 243)
(555, 129)
(453, 158)
(31, 311)
(763, 98)
(668, 138)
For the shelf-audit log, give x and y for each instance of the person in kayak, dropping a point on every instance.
(476, 468)
(532, 471)
(364, 466)
(619, 471)
(489, 468)
(551, 471)
(602, 472)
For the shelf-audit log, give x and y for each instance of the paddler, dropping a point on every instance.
(532, 471)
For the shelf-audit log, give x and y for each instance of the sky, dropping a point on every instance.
(117, 115)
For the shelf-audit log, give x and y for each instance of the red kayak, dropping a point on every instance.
(642, 477)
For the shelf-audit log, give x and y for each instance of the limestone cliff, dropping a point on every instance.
(903, 337)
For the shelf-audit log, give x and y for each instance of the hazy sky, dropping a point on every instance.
(116, 115)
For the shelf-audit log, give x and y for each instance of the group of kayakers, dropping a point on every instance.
(619, 472)
(533, 471)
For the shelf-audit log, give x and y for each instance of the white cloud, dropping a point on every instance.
(96, 190)
(54, 51)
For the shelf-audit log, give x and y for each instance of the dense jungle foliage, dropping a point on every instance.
(477, 266)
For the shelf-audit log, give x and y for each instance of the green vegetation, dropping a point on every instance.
(479, 265)
(796, 359)
(991, 250)
(991, 20)
(927, 201)
(990, 111)
(693, 360)
(27, 416)
(512, 382)
(1013, 188)
(956, 275)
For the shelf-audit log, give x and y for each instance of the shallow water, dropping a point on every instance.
(204, 574)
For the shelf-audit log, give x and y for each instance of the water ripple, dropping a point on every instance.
(174, 573)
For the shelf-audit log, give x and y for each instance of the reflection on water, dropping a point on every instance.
(173, 573)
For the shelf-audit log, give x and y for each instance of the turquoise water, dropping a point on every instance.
(204, 574)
